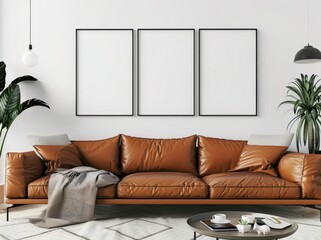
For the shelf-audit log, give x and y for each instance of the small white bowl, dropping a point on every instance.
(243, 228)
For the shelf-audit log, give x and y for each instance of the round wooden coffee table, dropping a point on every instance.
(234, 216)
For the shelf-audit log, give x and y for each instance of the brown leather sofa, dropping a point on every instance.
(176, 171)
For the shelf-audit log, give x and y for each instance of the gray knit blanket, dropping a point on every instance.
(72, 196)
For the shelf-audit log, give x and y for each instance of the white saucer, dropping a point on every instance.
(220, 222)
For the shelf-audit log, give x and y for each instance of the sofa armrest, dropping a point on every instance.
(22, 168)
(303, 169)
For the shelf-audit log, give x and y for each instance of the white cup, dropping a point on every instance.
(219, 217)
(249, 218)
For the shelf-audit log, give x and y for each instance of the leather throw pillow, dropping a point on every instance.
(256, 158)
(61, 139)
(59, 156)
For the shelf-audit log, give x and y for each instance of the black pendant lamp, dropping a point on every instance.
(308, 54)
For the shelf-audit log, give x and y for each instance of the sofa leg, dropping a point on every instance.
(8, 214)
(8, 209)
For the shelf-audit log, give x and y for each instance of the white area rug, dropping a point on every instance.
(145, 222)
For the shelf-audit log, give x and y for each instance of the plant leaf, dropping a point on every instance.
(305, 129)
(9, 101)
(289, 127)
(23, 79)
(2, 76)
(311, 140)
(287, 102)
(25, 105)
(316, 135)
(298, 133)
(296, 91)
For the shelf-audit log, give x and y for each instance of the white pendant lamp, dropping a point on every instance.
(29, 58)
(308, 54)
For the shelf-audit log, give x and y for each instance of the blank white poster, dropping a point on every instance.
(104, 72)
(166, 72)
(227, 73)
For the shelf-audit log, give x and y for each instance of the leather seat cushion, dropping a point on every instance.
(39, 189)
(250, 185)
(162, 185)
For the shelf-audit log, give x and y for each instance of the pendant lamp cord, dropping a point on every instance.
(30, 46)
(308, 16)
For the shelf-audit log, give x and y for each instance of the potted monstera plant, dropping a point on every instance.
(305, 96)
(10, 102)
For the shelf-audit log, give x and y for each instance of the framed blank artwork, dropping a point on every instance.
(104, 72)
(228, 72)
(166, 72)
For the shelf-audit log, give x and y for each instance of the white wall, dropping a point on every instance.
(281, 33)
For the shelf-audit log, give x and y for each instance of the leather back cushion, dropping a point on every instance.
(59, 156)
(143, 154)
(100, 154)
(255, 158)
(217, 155)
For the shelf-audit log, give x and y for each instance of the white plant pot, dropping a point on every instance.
(243, 228)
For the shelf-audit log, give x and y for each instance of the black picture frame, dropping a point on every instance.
(132, 74)
(139, 71)
(200, 94)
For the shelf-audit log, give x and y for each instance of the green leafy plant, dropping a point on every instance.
(304, 94)
(243, 222)
(10, 102)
